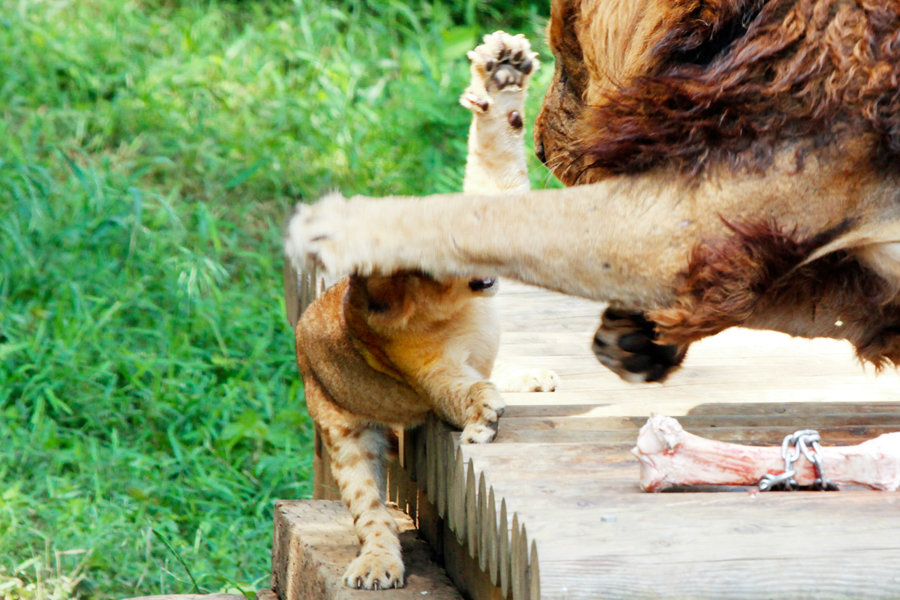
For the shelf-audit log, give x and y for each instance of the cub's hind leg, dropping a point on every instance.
(357, 451)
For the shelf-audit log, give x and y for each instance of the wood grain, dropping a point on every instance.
(552, 508)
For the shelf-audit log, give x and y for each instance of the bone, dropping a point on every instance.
(672, 457)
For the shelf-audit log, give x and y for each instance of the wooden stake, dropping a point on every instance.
(515, 556)
(492, 542)
(503, 550)
(534, 574)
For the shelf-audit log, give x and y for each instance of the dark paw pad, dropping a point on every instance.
(626, 343)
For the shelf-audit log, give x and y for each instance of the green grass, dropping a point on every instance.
(150, 410)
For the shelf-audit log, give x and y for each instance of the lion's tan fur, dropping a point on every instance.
(680, 124)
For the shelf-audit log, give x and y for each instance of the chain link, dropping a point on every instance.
(805, 442)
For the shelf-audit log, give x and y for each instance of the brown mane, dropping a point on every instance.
(733, 79)
(761, 266)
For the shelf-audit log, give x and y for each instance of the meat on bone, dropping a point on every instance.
(670, 457)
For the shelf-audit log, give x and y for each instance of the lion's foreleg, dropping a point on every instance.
(624, 241)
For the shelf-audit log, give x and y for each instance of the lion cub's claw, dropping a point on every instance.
(375, 571)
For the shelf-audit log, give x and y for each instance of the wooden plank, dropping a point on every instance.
(534, 573)
(552, 509)
(680, 400)
(721, 545)
(493, 530)
(472, 581)
(520, 565)
(836, 436)
(291, 295)
(710, 421)
(314, 541)
(324, 485)
(503, 560)
(466, 575)
(759, 410)
(458, 506)
(471, 512)
(483, 523)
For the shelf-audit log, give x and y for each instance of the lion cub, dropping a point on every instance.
(379, 352)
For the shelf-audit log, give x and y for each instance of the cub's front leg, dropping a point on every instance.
(463, 397)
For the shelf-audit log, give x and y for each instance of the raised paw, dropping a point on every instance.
(626, 344)
(502, 62)
(375, 570)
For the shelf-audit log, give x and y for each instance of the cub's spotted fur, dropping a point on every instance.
(381, 351)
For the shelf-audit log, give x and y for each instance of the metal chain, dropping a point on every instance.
(805, 442)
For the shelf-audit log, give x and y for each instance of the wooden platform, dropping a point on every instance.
(315, 541)
(552, 508)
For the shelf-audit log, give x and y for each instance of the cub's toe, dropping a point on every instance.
(375, 571)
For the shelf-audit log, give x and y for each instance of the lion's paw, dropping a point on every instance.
(479, 433)
(485, 409)
(316, 231)
(502, 62)
(340, 235)
(375, 569)
(626, 344)
(513, 379)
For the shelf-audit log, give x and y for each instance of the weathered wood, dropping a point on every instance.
(483, 524)
(291, 294)
(722, 546)
(534, 573)
(324, 485)
(467, 577)
(552, 508)
(514, 558)
(848, 435)
(503, 558)
(493, 531)
(471, 511)
(471, 580)
(459, 498)
(314, 541)
(190, 597)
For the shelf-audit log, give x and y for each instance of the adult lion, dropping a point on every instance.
(731, 162)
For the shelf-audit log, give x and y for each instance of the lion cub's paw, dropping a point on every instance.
(625, 343)
(375, 570)
(479, 433)
(502, 62)
(485, 409)
(512, 379)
